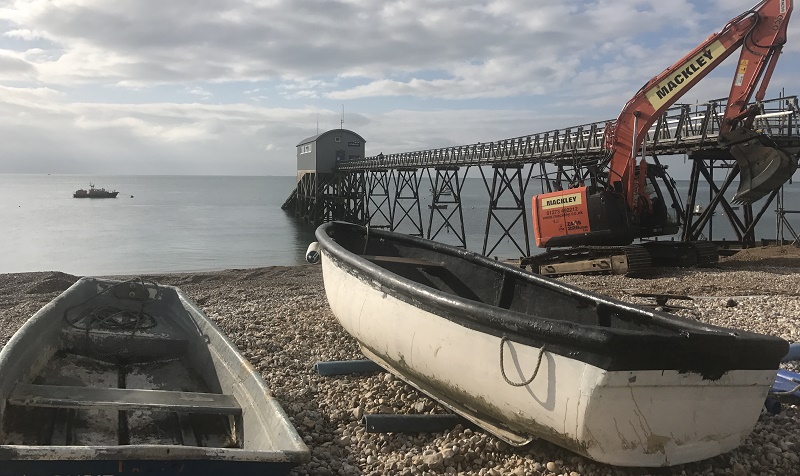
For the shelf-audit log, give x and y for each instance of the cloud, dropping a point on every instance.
(198, 91)
(14, 67)
(140, 42)
(205, 86)
(199, 138)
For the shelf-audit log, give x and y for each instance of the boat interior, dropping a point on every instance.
(499, 285)
(128, 366)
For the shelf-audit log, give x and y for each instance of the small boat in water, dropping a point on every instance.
(124, 377)
(95, 193)
(524, 356)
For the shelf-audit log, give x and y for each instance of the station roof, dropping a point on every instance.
(314, 138)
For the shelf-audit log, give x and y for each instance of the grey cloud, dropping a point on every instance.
(16, 69)
(586, 57)
(156, 41)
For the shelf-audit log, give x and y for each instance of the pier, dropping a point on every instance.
(384, 191)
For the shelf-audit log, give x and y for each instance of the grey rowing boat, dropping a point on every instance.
(123, 377)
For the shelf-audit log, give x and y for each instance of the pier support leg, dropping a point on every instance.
(742, 219)
(507, 206)
(446, 205)
(306, 200)
(330, 203)
(353, 194)
(380, 213)
(406, 189)
(316, 200)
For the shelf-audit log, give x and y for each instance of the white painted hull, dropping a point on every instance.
(626, 418)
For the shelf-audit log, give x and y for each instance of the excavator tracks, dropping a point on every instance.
(631, 260)
(682, 254)
(707, 253)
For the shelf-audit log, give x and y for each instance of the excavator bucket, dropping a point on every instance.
(764, 167)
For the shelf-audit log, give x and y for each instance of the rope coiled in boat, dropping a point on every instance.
(113, 318)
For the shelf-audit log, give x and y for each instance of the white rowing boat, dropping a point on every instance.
(526, 357)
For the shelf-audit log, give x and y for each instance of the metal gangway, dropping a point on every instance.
(681, 129)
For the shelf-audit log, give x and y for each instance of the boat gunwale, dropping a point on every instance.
(696, 347)
(146, 452)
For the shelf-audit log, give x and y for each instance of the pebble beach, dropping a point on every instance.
(280, 320)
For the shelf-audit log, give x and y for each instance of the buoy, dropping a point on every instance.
(312, 253)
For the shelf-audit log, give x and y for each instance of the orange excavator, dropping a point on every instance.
(600, 221)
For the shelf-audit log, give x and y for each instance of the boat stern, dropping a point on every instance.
(665, 418)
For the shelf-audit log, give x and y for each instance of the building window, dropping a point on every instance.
(305, 149)
(337, 139)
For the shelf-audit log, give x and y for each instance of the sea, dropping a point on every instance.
(178, 224)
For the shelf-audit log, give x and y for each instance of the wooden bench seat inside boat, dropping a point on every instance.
(58, 396)
(402, 260)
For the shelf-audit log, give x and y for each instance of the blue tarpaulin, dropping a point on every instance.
(793, 354)
(786, 381)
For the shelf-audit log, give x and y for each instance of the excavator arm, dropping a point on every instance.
(760, 33)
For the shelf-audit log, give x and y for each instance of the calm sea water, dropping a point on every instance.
(202, 223)
(156, 224)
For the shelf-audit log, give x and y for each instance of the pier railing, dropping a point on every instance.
(681, 129)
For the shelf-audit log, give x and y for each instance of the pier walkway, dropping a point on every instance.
(682, 129)
(385, 191)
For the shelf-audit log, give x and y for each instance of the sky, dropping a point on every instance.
(229, 87)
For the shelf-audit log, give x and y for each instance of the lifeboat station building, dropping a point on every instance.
(318, 196)
(319, 154)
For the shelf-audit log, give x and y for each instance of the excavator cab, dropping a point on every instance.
(597, 216)
(660, 215)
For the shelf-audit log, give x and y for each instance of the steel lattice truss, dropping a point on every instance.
(682, 129)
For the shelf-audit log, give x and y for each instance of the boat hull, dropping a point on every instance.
(626, 417)
(96, 195)
(97, 387)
